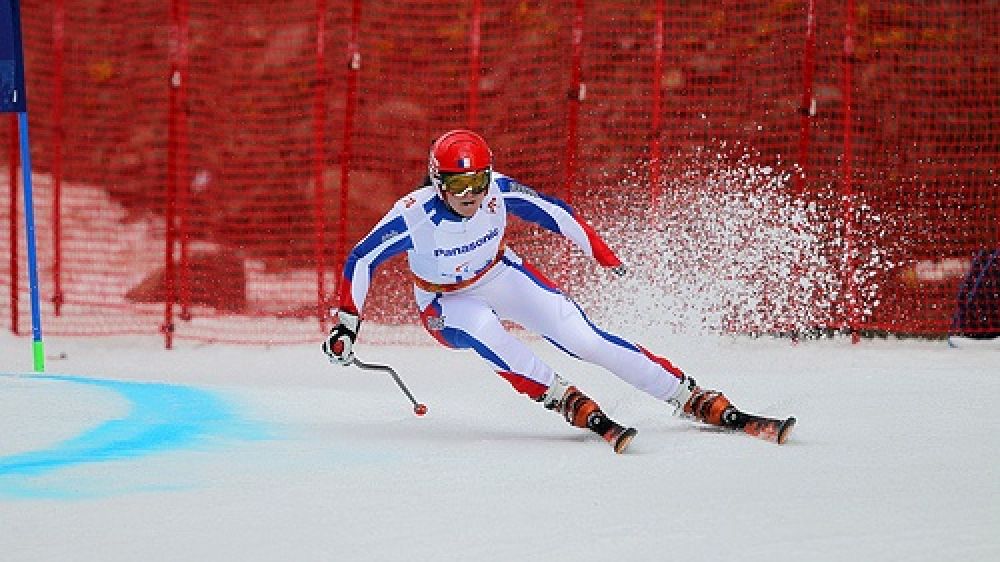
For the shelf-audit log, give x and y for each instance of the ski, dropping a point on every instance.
(620, 438)
(774, 430)
(617, 435)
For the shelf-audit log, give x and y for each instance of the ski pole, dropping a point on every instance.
(418, 408)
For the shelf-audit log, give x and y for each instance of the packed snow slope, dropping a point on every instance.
(125, 451)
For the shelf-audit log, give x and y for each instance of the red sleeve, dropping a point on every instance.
(602, 253)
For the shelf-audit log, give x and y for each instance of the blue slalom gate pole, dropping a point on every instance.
(37, 346)
(13, 99)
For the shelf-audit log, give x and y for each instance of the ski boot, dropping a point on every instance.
(712, 407)
(580, 411)
(709, 406)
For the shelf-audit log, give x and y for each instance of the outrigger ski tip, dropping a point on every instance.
(785, 430)
(623, 440)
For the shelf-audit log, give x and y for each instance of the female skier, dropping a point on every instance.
(466, 280)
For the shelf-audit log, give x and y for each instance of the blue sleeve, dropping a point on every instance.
(556, 216)
(389, 238)
(527, 204)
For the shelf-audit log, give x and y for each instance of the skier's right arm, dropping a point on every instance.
(390, 237)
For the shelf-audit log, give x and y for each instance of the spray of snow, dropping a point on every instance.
(728, 247)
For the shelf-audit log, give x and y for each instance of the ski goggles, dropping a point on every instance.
(465, 183)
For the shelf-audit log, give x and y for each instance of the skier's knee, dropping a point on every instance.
(527, 386)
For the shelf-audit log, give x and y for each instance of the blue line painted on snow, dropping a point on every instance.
(161, 418)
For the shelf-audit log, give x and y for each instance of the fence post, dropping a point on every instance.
(319, 150)
(657, 117)
(176, 145)
(847, 186)
(353, 69)
(58, 98)
(475, 44)
(576, 94)
(807, 110)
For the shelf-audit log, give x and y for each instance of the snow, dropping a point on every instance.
(126, 451)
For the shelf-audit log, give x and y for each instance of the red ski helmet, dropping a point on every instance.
(458, 152)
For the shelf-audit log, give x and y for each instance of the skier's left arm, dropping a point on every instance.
(557, 216)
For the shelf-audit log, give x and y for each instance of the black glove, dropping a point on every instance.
(339, 345)
(620, 270)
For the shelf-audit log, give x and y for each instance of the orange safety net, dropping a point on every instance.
(203, 166)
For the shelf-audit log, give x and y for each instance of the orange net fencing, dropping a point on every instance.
(201, 167)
